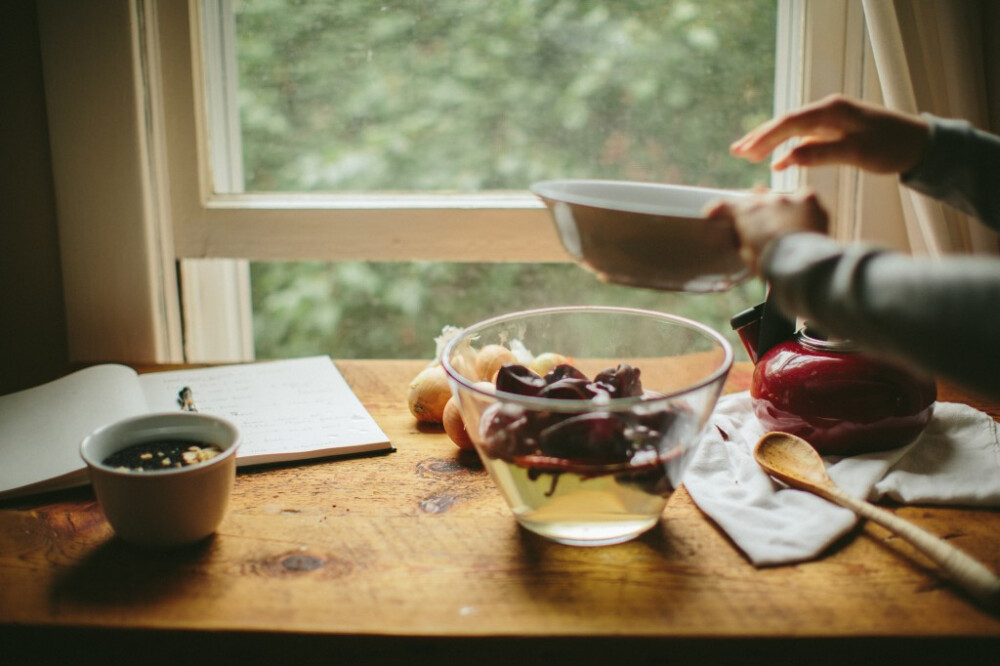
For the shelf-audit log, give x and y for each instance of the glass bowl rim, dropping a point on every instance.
(567, 405)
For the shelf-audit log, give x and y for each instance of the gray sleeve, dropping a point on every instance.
(940, 315)
(962, 168)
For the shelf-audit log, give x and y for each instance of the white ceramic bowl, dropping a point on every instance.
(645, 234)
(170, 507)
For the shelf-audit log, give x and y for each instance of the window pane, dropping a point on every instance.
(395, 310)
(472, 95)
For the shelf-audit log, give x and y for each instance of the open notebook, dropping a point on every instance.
(286, 410)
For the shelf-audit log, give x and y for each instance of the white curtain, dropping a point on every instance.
(931, 56)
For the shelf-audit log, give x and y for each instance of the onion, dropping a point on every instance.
(455, 426)
(429, 393)
(543, 363)
(491, 358)
(488, 387)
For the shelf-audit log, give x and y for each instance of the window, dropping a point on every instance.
(475, 97)
(190, 191)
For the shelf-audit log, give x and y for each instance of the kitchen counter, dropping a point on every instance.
(412, 557)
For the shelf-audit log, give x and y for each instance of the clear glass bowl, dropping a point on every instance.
(592, 460)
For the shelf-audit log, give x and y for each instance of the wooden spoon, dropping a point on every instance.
(796, 462)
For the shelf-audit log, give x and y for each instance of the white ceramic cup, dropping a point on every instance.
(170, 507)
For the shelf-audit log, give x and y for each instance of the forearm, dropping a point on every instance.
(940, 315)
(962, 168)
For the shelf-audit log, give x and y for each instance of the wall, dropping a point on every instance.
(991, 26)
(33, 345)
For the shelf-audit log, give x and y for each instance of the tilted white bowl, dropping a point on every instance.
(646, 234)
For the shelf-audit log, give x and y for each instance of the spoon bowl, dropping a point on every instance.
(793, 460)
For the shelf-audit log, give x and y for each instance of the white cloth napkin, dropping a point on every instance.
(955, 461)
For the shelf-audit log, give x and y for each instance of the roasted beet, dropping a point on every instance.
(569, 388)
(623, 381)
(599, 437)
(509, 433)
(563, 371)
(595, 438)
(515, 378)
(658, 421)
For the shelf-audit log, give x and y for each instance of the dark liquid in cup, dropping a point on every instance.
(161, 455)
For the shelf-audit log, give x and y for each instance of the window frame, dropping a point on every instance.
(330, 227)
(194, 244)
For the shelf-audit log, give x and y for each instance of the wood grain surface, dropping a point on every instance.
(415, 552)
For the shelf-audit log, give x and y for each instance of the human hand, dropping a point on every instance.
(838, 130)
(762, 218)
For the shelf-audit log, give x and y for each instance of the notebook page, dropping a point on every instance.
(286, 410)
(41, 427)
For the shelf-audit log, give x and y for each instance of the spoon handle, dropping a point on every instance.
(967, 572)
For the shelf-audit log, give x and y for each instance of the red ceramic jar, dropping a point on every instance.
(841, 401)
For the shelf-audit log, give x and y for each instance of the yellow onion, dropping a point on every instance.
(491, 358)
(455, 426)
(429, 393)
(543, 363)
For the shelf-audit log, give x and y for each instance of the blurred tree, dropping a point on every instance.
(473, 95)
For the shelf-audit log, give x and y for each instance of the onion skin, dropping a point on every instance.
(455, 426)
(429, 393)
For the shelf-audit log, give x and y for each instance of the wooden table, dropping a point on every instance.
(413, 557)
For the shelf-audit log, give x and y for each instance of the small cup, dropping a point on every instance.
(164, 508)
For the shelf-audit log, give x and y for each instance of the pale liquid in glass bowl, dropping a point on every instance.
(583, 510)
